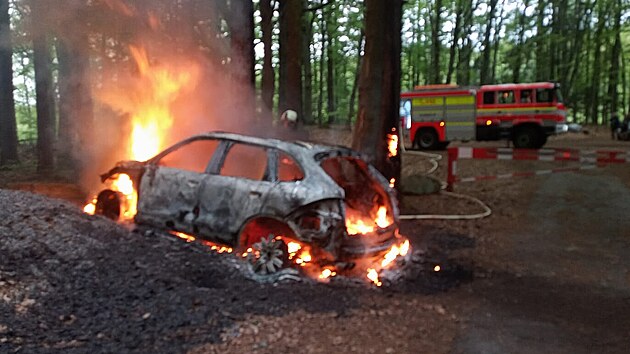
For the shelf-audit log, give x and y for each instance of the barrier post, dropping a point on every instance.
(452, 168)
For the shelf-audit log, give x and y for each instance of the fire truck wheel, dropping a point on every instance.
(108, 204)
(527, 138)
(427, 139)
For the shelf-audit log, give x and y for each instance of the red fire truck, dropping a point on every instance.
(524, 113)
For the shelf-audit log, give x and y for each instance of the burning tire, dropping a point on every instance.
(108, 204)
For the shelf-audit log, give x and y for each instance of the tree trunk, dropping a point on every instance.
(496, 42)
(268, 75)
(42, 63)
(8, 126)
(290, 57)
(357, 76)
(436, 25)
(516, 69)
(484, 71)
(463, 69)
(307, 38)
(241, 23)
(76, 115)
(322, 57)
(379, 87)
(541, 37)
(596, 74)
(613, 78)
(456, 34)
(330, 69)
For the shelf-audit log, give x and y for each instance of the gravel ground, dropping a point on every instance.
(71, 282)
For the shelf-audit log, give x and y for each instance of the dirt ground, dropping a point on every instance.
(547, 272)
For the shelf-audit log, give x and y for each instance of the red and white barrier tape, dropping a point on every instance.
(589, 159)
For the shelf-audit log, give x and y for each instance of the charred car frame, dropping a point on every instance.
(234, 190)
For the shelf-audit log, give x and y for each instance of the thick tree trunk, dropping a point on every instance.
(268, 76)
(290, 57)
(241, 23)
(8, 126)
(379, 87)
(76, 115)
(42, 63)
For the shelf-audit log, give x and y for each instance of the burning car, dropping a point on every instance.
(236, 190)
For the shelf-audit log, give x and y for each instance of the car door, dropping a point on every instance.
(169, 189)
(234, 192)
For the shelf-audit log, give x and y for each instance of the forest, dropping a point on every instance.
(68, 66)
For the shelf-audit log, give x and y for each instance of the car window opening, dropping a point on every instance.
(246, 161)
(193, 156)
(288, 169)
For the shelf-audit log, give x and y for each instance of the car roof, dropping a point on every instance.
(296, 148)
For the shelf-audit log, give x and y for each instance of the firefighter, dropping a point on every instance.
(288, 119)
(290, 126)
(614, 126)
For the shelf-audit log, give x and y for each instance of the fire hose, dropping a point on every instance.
(434, 159)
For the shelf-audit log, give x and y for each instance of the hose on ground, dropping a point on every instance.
(434, 159)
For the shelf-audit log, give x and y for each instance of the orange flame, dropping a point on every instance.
(184, 236)
(392, 144)
(152, 118)
(327, 273)
(397, 250)
(356, 225)
(148, 102)
(122, 184)
(298, 253)
(372, 274)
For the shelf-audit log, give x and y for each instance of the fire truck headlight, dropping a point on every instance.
(488, 122)
(442, 124)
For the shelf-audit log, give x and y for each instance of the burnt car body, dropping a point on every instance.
(235, 189)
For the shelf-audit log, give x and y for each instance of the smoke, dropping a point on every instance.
(177, 37)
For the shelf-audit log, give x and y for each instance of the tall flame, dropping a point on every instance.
(151, 117)
(147, 99)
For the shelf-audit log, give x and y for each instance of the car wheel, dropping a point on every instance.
(526, 138)
(108, 204)
(269, 255)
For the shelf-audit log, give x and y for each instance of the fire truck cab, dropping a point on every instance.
(526, 114)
